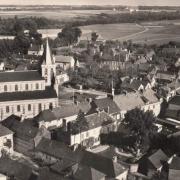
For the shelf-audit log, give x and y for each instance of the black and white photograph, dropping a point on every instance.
(89, 90)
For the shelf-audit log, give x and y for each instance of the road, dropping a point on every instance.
(145, 29)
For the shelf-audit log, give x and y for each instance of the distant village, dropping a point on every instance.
(91, 110)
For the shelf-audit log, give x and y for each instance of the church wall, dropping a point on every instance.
(22, 86)
(27, 108)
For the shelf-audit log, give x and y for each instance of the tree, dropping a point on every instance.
(80, 124)
(94, 36)
(69, 35)
(141, 126)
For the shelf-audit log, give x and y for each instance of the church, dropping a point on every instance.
(26, 93)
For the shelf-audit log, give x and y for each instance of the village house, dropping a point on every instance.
(104, 167)
(98, 123)
(65, 62)
(36, 50)
(54, 118)
(146, 100)
(15, 169)
(26, 135)
(6, 140)
(107, 105)
(51, 152)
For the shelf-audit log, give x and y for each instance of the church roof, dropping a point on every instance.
(28, 95)
(48, 54)
(20, 76)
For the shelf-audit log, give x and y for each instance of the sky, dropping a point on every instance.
(91, 2)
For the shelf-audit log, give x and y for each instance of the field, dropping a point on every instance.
(151, 34)
(111, 31)
(62, 15)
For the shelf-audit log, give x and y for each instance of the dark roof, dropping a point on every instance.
(157, 158)
(56, 149)
(28, 95)
(4, 131)
(22, 130)
(106, 104)
(34, 47)
(173, 114)
(88, 173)
(63, 112)
(14, 168)
(175, 100)
(102, 164)
(46, 174)
(62, 165)
(175, 164)
(20, 76)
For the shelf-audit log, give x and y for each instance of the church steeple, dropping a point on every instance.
(48, 67)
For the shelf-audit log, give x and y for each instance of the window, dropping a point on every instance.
(29, 107)
(40, 107)
(18, 108)
(26, 87)
(50, 106)
(5, 88)
(37, 86)
(7, 109)
(46, 71)
(16, 87)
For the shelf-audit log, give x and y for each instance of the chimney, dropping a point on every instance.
(64, 124)
(22, 118)
(108, 109)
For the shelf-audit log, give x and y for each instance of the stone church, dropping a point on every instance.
(26, 93)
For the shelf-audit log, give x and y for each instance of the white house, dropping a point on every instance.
(146, 100)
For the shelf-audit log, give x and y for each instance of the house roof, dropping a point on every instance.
(88, 173)
(15, 168)
(63, 112)
(4, 131)
(105, 104)
(20, 76)
(56, 149)
(28, 95)
(102, 164)
(174, 114)
(46, 174)
(175, 100)
(22, 130)
(64, 59)
(62, 165)
(98, 119)
(157, 158)
(165, 75)
(34, 47)
(132, 100)
(175, 164)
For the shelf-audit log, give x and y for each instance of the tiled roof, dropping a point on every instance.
(46, 174)
(56, 149)
(102, 164)
(63, 59)
(4, 131)
(14, 168)
(21, 129)
(175, 100)
(20, 76)
(105, 104)
(174, 114)
(63, 112)
(88, 173)
(133, 100)
(157, 158)
(28, 95)
(175, 164)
